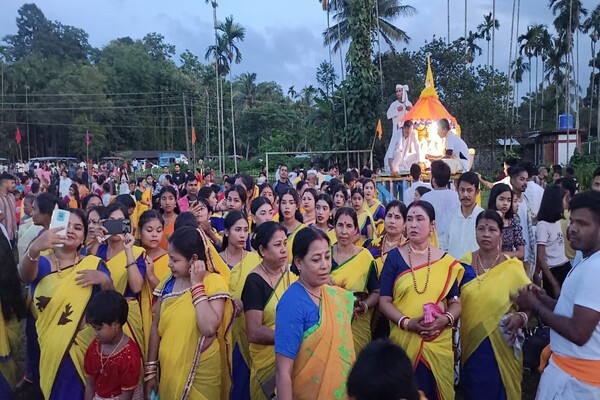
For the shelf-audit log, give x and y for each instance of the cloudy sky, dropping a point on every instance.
(283, 38)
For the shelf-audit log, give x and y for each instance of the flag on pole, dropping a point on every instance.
(193, 135)
(379, 129)
(87, 137)
(18, 136)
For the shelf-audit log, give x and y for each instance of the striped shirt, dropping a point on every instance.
(9, 210)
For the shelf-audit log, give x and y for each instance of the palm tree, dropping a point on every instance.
(555, 70)
(528, 47)
(247, 85)
(217, 76)
(542, 48)
(232, 33)
(388, 10)
(591, 26)
(519, 67)
(472, 49)
(568, 19)
(485, 31)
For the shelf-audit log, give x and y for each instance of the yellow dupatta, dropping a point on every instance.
(328, 343)
(379, 225)
(485, 300)
(290, 241)
(363, 217)
(10, 339)
(332, 236)
(353, 275)
(239, 273)
(263, 356)
(437, 354)
(134, 326)
(161, 270)
(61, 304)
(187, 371)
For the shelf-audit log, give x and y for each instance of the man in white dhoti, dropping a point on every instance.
(396, 112)
(408, 151)
(574, 319)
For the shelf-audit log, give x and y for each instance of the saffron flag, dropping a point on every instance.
(18, 136)
(87, 137)
(379, 129)
(193, 135)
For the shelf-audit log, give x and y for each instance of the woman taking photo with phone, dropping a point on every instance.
(62, 283)
(127, 268)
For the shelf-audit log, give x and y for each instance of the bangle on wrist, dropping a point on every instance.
(401, 320)
(130, 264)
(32, 259)
(524, 317)
(450, 319)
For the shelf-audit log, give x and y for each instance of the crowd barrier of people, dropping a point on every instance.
(175, 287)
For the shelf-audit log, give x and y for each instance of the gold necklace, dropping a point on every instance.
(389, 244)
(58, 268)
(309, 292)
(104, 361)
(485, 270)
(412, 272)
(417, 251)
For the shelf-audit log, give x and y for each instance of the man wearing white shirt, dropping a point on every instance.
(460, 233)
(443, 200)
(415, 173)
(407, 151)
(456, 148)
(518, 181)
(574, 319)
(396, 112)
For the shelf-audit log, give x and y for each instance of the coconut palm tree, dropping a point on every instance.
(555, 70)
(247, 84)
(214, 5)
(485, 31)
(518, 68)
(528, 48)
(591, 26)
(388, 10)
(472, 49)
(232, 33)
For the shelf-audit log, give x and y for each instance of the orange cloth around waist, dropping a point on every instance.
(583, 370)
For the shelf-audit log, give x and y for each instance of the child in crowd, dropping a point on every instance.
(113, 362)
(382, 371)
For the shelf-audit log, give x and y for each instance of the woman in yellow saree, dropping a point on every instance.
(353, 269)
(290, 217)
(143, 199)
(324, 221)
(376, 209)
(491, 368)
(150, 228)
(169, 210)
(314, 350)
(417, 280)
(127, 266)
(241, 263)
(365, 219)
(62, 283)
(189, 356)
(393, 236)
(12, 311)
(263, 288)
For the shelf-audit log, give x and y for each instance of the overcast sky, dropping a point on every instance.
(283, 38)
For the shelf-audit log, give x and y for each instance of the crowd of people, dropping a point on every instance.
(307, 288)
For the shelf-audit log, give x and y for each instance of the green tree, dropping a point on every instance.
(388, 10)
(485, 30)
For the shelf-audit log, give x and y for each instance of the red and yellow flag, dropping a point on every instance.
(193, 135)
(18, 136)
(379, 129)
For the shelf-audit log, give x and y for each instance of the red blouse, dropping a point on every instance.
(122, 371)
